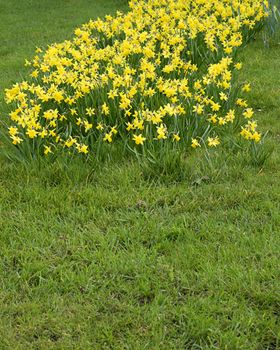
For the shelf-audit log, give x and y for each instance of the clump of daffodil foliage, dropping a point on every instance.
(164, 72)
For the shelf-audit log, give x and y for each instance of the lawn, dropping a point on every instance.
(117, 258)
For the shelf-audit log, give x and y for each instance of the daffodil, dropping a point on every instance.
(165, 65)
(195, 143)
(47, 150)
(108, 137)
(213, 141)
(139, 139)
(176, 137)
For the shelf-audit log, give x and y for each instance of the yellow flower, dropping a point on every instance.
(161, 132)
(230, 116)
(58, 96)
(43, 133)
(90, 111)
(139, 139)
(176, 137)
(13, 130)
(246, 88)
(223, 96)
(198, 109)
(161, 88)
(114, 130)
(213, 119)
(108, 137)
(79, 121)
(35, 73)
(99, 126)
(112, 94)
(70, 142)
(256, 136)
(130, 126)
(52, 133)
(238, 66)
(241, 103)
(27, 63)
(31, 133)
(248, 113)
(16, 140)
(213, 141)
(47, 150)
(195, 143)
(82, 148)
(50, 114)
(87, 126)
(222, 121)
(73, 111)
(215, 107)
(105, 109)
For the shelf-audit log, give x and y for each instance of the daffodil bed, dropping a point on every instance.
(166, 71)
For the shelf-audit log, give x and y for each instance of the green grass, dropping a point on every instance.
(108, 259)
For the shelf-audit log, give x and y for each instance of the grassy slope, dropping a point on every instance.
(107, 260)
